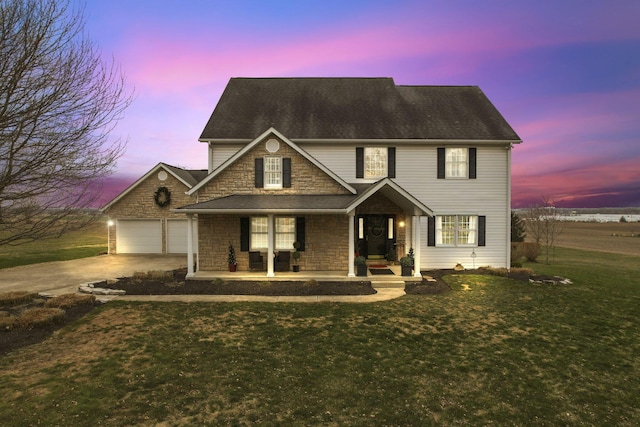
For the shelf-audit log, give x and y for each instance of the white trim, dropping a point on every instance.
(390, 183)
(252, 144)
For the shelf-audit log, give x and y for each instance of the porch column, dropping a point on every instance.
(352, 248)
(416, 247)
(190, 272)
(270, 245)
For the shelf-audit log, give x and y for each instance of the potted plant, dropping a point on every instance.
(231, 258)
(296, 257)
(361, 266)
(406, 263)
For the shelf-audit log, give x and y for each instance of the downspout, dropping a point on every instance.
(508, 221)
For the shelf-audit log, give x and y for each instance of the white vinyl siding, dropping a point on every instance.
(416, 172)
(220, 153)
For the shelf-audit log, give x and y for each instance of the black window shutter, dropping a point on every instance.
(244, 234)
(286, 172)
(391, 162)
(259, 172)
(300, 232)
(472, 163)
(431, 229)
(359, 162)
(482, 230)
(441, 162)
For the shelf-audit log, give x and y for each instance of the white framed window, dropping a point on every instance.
(259, 233)
(456, 162)
(457, 230)
(273, 172)
(285, 233)
(375, 162)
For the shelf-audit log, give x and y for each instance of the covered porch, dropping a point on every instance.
(333, 232)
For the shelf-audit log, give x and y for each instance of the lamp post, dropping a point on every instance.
(109, 225)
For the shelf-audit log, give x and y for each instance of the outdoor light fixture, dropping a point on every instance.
(110, 223)
(401, 224)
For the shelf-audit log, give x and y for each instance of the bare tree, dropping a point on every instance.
(543, 225)
(58, 104)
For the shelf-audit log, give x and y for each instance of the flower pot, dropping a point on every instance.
(407, 270)
(296, 268)
(361, 270)
(232, 267)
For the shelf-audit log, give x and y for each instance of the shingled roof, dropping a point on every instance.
(354, 108)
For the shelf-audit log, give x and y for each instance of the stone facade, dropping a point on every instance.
(139, 203)
(238, 178)
(326, 243)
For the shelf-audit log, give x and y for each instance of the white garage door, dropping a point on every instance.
(137, 236)
(177, 236)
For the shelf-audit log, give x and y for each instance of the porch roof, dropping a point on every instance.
(307, 203)
(261, 203)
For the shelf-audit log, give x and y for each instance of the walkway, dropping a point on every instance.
(62, 277)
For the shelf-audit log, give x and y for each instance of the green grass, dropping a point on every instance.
(88, 242)
(493, 351)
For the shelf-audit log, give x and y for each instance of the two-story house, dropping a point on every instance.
(344, 167)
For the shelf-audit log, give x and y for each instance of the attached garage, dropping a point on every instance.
(177, 236)
(139, 236)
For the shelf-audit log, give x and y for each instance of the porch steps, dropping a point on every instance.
(388, 285)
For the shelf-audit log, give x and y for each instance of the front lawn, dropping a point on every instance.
(90, 241)
(491, 351)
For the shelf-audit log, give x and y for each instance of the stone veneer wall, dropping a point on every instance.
(139, 204)
(326, 243)
(239, 178)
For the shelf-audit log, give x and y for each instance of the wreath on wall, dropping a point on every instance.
(162, 196)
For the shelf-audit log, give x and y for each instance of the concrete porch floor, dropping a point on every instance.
(377, 280)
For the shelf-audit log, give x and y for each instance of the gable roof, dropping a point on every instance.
(354, 108)
(189, 177)
(262, 137)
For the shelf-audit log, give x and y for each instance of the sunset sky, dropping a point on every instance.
(564, 73)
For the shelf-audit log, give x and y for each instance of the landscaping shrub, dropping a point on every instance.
(502, 272)
(16, 298)
(517, 252)
(70, 300)
(531, 250)
(36, 317)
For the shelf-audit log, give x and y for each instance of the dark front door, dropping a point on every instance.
(374, 239)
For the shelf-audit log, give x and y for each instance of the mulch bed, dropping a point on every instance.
(179, 286)
(16, 338)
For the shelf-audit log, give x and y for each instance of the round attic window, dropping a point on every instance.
(162, 175)
(273, 145)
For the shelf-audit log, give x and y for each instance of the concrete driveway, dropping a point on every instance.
(61, 277)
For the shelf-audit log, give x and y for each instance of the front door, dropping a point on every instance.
(375, 239)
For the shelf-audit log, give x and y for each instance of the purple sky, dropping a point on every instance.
(564, 73)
